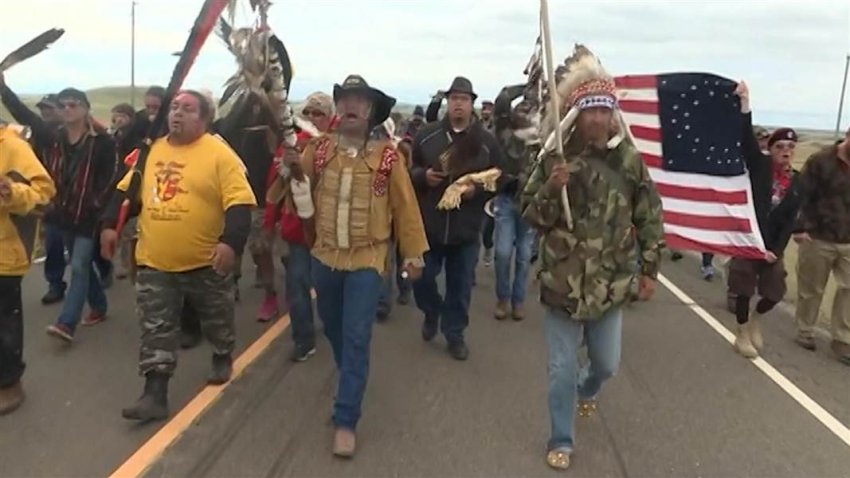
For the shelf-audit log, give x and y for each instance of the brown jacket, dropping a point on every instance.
(825, 190)
(362, 202)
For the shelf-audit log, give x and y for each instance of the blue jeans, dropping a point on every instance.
(566, 382)
(298, 285)
(54, 261)
(511, 234)
(453, 311)
(347, 302)
(85, 284)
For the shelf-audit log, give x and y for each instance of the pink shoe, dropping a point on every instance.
(268, 310)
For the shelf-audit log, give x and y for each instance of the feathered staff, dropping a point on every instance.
(265, 70)
(31, 48)
(204, 23)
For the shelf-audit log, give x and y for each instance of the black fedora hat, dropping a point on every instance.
(461, 85)
(382, 104)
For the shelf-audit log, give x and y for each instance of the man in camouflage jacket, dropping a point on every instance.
(586, 270)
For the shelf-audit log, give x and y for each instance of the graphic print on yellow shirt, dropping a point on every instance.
(186, 191)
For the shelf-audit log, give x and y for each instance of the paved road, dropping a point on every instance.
(683, 403)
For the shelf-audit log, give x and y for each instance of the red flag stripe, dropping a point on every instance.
(730, 198)
(711, 223)
(675, 241)
(651, 160)
(646, 133)
(638, 106)
(636, 82)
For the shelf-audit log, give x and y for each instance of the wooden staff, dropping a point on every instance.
(553, 99)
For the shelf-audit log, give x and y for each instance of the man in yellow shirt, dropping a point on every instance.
(195, 216)
(24, 184)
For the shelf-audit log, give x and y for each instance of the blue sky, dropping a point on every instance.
(790, 52)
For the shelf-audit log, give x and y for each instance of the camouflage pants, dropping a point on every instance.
(159, 304)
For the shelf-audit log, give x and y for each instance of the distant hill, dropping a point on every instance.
(103, 99)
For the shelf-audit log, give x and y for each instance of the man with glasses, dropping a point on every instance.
(83, 164)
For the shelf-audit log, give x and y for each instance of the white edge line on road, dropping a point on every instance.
(823, 416)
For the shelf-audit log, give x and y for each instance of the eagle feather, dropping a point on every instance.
(31, 48)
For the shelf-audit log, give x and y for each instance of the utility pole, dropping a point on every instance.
(133, 53)
(841, 101)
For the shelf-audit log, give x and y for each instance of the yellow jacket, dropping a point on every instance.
(31, 186)
(361, 203)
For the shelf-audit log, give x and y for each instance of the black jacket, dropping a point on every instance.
(463, 225)
(84, 181)
(775, 222)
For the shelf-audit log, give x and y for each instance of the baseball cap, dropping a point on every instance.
(48, 101)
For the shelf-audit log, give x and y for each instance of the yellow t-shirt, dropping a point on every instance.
(184, 195)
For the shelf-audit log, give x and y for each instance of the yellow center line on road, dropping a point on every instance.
(151, 450)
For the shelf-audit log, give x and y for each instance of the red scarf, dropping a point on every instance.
(781, 182)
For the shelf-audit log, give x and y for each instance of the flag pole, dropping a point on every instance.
(841, 101)
(553, 98)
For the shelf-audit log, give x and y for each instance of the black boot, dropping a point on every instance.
(153, 404)
(430, 327)
(222, 368)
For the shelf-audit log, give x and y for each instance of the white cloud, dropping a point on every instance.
(791, 52)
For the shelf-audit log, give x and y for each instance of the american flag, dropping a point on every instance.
(688, 129)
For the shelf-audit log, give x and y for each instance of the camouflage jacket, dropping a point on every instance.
(615, 207)
(519, 160)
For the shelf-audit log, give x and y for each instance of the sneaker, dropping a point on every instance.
(841, 351)
(61, 331)
(458, 350)
(303, 352)
(93, 318)
(806, 341)
(53, 296)
(268, 310)
(707, 273)
(488, 257)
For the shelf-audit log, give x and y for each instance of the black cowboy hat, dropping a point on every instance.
(382, 104)
(461, 85)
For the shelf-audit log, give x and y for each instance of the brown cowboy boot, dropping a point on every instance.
(11, 398)
(519, 312)
(503, 310)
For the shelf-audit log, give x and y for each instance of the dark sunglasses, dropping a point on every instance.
(70, 105)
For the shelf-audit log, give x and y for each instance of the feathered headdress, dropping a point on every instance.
(582, 82)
